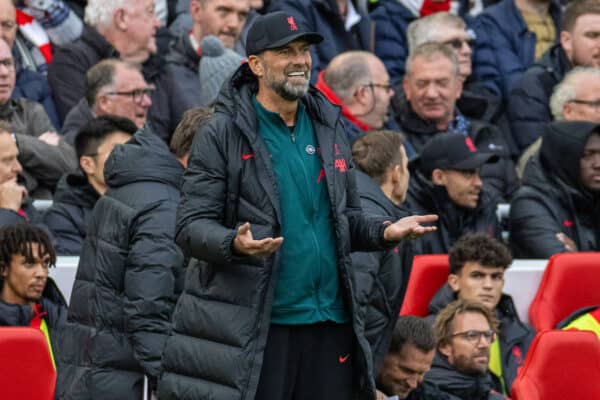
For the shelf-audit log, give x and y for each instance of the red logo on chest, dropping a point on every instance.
(340, 165)
(293, 26)
(470, 145)
(568, 223)
(321, 175)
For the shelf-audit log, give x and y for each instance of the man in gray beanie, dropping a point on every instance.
(221, 18)
(216, 65)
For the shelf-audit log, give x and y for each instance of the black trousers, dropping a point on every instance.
(307, 362)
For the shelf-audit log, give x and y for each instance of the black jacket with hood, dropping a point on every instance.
(553, 198)
(222, 319)
(426, 198)
(500, 178)
(123, 295)
(70, 214)
(459, 386)
(381, 277)
(529, 101)
(514, 336)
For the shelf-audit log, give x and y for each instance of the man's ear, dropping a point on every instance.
(438, 177)
(445, 348)
(256, 65)
(120, 18)
(453, 282)
(3, 270)
(88, 165)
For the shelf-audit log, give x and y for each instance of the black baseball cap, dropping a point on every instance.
(274, 30)
(452, 151)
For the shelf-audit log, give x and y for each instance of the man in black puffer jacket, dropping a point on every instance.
(446, 181)
(381, 277)
(558, 207)
(258, 320)
(77, 193)
(123, 293)
(28, 297)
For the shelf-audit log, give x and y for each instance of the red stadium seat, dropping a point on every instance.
(571, 281)
(26, 370)
(429, 273)
(560, 365)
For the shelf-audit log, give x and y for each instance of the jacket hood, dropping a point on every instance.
(562, 148)
(20, 315)
(555, 61)
(144, 158)
(75, 189)
(452, 381)
(182, 52)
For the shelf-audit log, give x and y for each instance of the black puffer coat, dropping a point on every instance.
(553, 199)
(514, 337)
(123, 294)
(70, 213)
(222, 319)
(381, 277)
(426, 198)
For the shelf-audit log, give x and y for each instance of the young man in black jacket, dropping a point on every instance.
(270, 211)
(28, 297)
(77, 193)
(477, 267)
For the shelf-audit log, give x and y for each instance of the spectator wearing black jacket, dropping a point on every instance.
(465, 331)
(28, 297)
(477, 267)
(409, 357)
(124, 291)
(446, 181)
(381, 277)
(557, 209)
(529, 101)
(432, 85)
(77, 193)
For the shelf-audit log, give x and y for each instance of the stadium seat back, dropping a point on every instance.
(571, 281)
(560, 365)
(26, 370)
(429, 273)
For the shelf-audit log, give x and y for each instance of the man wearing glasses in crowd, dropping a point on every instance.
(477, 267)
(113, 87)
(465, 332)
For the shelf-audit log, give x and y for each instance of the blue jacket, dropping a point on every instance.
(528, 105)
(323, 16)
(391, 45)
(512, 43)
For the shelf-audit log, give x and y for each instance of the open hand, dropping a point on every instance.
(244, 243)
(410, 227)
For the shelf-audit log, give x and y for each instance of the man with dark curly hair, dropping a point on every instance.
(477, 267)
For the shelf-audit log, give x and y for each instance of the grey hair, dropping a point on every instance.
(100, 12)
(426, 29)
(430, 51)
(346, 75)
(566, 90)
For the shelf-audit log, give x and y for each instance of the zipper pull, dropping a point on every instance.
(293, 137)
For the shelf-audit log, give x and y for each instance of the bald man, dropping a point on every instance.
(358, 82)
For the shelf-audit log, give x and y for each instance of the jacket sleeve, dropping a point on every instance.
(67, 237)
(37, 120)
(510, 67)
(528, 109)
(533, 228)
(149, 283)
(390, 43)
(200, 216)
(45, 162)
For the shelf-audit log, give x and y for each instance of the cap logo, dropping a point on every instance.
(293, 26)
(470, 145)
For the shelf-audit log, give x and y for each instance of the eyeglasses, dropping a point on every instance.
(385, 86)
(474, 337)
(137, 94)
(595, 104)
(457, 43)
